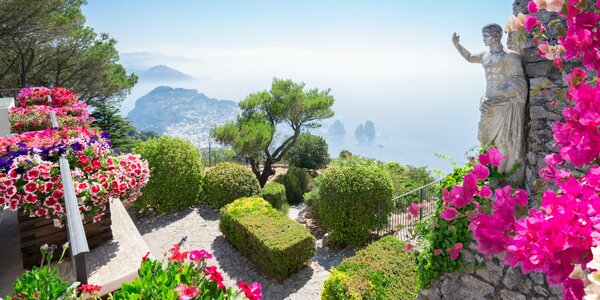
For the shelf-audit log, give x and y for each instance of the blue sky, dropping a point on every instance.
(389, 61)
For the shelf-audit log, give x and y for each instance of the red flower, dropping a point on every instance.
(83, 160)
(31, 198)
(214, 275)
(90, 288)
(176, 255)
(32, 174)
(58, 194)
(145, 258)
(31, 187)
(96, 164)
(96, 188)
(41, 212)
(252, 292)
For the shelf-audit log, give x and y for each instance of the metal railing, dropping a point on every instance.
(395, 218)
(75, 232)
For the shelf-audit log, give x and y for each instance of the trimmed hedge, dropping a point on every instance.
(383, 270)
(175, 175)
(278, 245)
(351, 194)
(274, 193)
(229, 181)
(297, 181)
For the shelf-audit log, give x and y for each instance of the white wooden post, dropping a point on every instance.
(5, 105)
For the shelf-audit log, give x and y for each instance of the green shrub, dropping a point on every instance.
(229, 181)
(383, 270)
(309, 152)
(351, 193)
(407, 178)
(274, 193)
(175, 174)
(297, 181)
(266, 236)
(442, 234)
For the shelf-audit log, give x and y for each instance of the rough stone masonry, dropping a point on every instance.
(490, 279)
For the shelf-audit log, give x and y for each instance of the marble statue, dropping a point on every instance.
(503, 105)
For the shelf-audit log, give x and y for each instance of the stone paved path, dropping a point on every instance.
(201, 226)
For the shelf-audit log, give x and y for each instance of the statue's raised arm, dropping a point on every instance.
(472, 58)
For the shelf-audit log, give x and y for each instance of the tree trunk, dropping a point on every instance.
(267, 171)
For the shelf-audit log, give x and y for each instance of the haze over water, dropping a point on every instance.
(391, 62)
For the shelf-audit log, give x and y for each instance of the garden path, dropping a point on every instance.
(201, 226)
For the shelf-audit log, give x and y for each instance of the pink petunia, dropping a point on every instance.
(186, 292)
(198, 255)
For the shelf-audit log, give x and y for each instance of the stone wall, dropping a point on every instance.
(545, 101)
(490, 279)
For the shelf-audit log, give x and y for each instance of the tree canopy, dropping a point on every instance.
(309, 152)
(46, 43)
(286, 106)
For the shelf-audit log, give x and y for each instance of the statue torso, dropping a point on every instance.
(500, 68)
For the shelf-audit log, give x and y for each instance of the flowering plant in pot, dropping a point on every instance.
(30, 172)
(35, 105)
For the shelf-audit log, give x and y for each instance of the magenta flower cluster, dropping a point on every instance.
(559, 235)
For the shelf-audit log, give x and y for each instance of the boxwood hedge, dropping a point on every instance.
(353, 200)
(277, 244)
(274, 193)
(176, 175)
(383, 270)
(229, 181)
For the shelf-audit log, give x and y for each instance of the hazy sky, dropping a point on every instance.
(389, 61)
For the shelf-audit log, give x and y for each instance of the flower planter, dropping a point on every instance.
(35, 232)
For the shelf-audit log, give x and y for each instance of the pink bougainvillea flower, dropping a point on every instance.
(573, 289)
(414, 209)
(532, 7)
(530, 22)
(214, 275)
(437, 252)
(198, 255)
(455, 250)
(481, 172)
(186, 292)
(485, 192)
(252, 292)
(408, 247)
(449, 214)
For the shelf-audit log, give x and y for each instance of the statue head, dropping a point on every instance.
(492, 34)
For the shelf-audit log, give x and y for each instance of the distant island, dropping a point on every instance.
(163, 73)
(337, 128)
(181, 112)
(366, 131)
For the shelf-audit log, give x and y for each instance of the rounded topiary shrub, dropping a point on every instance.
(350, 196)
(227, 182)
(297, 181)
(274, 193)
(383, 270)
(175, 175)
(309, 152)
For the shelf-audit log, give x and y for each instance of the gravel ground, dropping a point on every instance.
(201, 226)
